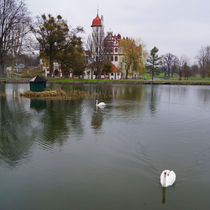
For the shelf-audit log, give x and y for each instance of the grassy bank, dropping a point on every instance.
(173, 81)
(197, 80)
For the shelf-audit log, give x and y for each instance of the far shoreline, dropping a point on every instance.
(105, 82)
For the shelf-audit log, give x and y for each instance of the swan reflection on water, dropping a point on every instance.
(163, 195)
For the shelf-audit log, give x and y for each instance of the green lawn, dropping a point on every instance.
(159, 79)
(88, 80)
(176, 78)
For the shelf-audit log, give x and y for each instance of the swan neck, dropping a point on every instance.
(164, 181)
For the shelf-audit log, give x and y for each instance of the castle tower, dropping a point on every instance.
(98, 42)
(98, 29)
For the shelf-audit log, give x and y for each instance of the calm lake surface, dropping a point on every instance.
(69, 155)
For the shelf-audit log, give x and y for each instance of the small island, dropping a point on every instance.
(44, 94)
(38, 91)
(57, 95)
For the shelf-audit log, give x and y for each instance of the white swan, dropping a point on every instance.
(101, 104)
(167, 178)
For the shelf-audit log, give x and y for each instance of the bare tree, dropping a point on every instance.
(19, 40)
(186, 71)
(184, 68)
(204, 61)
(169, 62)
(13, 19)
(195, 69)
(95, 46)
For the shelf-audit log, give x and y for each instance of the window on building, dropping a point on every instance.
(116, 58)
(112, 58)
(116, 50)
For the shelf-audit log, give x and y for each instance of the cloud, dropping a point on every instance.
(176, 26)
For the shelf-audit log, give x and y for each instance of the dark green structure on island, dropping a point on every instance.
(38, 84)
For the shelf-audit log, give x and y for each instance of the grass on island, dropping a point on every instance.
(46, 93)
(57, 95)
(2, 94)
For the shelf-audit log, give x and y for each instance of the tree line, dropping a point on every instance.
(21, 35)
(169, 64)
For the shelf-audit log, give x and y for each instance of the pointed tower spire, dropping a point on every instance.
(96, 21)
(97, 9)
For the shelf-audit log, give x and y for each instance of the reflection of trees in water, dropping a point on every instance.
(19, 127)
(169, 93)
(153, 99)
(54, 121)
(172, 92)
(107, 92)
(97, 119)
(128, 92)
(16, 133)
(152, 96)
(204, 95)
(60, 118)
(128, 98)
(2, 90)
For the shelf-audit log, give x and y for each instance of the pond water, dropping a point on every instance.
(70, 155)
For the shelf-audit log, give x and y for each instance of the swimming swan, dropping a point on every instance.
(101, 104)
(167, 178)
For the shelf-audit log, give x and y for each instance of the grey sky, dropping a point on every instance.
(177, 26)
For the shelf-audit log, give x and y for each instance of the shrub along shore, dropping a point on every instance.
(129, 81)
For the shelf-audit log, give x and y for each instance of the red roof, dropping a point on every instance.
(96, 21)
(114, 68)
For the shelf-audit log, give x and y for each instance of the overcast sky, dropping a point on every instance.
(181, 27)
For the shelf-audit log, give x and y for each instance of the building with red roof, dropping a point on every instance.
(111, 51)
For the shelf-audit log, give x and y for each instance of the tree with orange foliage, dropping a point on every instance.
(132, 60)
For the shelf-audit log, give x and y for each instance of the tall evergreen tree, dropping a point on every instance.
(52, 34)
(154, 61)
